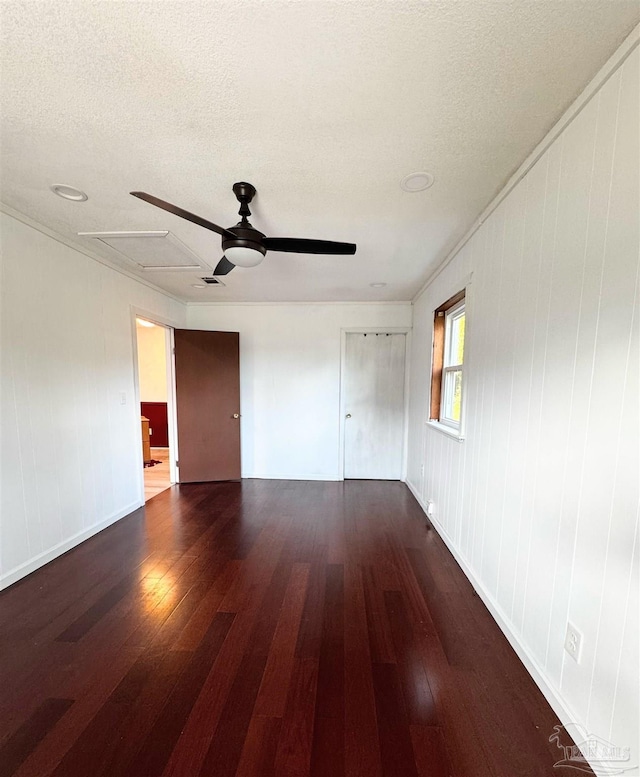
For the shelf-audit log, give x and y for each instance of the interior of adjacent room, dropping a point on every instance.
(154, 386)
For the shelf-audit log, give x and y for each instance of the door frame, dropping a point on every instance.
(392, 330)
(172, 421)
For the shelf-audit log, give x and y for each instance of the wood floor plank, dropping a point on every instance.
(260, 746)
(272, 695)
(330, 692)
(142, 715)
(293, 756)
(327, 755)
(195, 628)
(245, 601)
(429, 750)
(30, 734)
(380, 636)
(59, 740)
(94, 614)
(362, 748)
(416, 691)
(264, 629)
(155, 751)
(396, 749)
(226, 746)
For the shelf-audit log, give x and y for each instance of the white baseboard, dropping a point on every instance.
(268, 476)
(549, 690)
(27, 567)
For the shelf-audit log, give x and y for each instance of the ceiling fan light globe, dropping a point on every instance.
(242, 256)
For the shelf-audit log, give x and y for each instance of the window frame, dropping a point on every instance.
(442, 322)
(450, 316)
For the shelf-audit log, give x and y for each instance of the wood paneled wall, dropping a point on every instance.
(70, 449)
(540, 501)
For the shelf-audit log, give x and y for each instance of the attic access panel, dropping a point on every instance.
(150, 251)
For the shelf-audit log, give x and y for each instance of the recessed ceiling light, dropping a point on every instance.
(377, 285)
(68, 192)
(416, 182)
(143, 322)
(199, 285)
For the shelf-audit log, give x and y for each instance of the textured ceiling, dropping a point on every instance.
(323, 106)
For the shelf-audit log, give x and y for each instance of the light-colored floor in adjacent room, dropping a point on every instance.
(156, 478)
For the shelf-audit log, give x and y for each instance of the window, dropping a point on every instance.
(448, 358)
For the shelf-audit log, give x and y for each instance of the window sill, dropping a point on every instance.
(448, 430)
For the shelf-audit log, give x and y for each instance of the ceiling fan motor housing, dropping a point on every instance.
(245, 237)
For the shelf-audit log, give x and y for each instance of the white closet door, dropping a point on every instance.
(374, 406)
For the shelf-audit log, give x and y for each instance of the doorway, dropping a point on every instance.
(374, 405)
(155, 390)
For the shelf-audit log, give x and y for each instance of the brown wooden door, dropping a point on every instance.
(208, 405)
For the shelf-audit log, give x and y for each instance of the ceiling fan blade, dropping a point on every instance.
(223, 267)
(303, 246)
(182, 213)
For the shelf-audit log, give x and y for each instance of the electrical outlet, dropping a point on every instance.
(573, 642)
(430, 508)
(123, 398)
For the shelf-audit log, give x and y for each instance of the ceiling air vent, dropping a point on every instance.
(213, 281)
(150, 250)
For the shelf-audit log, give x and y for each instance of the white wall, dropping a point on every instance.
(540, 502)
(290, 380)
(70, 451)
(152, 363)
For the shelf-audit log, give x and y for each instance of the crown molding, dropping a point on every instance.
(30, 222)
(613, 64)
(301, 303)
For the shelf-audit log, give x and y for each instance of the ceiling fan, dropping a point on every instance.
(243, 245)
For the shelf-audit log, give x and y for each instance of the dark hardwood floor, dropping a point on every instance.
(264, 628)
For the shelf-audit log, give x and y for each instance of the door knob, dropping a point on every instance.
(348, 415)
(236, 415)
